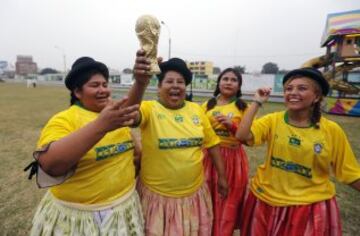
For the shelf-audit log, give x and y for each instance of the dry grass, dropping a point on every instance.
(24, 111)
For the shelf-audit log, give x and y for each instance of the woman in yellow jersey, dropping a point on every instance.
(174, 198)
(225, 110)
(85, 156)
(291, 193)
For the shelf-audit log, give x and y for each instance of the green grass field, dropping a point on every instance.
(24, 111)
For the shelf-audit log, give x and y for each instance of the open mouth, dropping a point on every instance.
(175, 95)
(294, 101)
(102, 98)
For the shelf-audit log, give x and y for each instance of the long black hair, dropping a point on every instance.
(240, 104)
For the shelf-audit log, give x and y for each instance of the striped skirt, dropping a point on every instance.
(183, 216)
(227, 210)
(317, 219)
(55, 218)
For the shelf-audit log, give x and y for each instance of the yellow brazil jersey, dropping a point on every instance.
(299, 161)
(171, 163)
(231, 111)
(104, 173)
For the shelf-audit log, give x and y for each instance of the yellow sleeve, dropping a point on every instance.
(261, 129)
(57, 127)
(145, 110)
(345, 165)
(210, 137)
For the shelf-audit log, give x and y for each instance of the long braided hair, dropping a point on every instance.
(240, 104)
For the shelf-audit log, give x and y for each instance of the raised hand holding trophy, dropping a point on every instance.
(148, 30)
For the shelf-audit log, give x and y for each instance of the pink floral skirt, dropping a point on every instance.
(163, 215)
(227, 211)
(317, 219)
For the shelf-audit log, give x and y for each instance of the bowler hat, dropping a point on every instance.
(178, 65)
(81, 65)
(310, 73)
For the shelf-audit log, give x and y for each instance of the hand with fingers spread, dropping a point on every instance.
(115, 115)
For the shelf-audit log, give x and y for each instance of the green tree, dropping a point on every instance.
(241, 69)
(270, 68)
(48, 71)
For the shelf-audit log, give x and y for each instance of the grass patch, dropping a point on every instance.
(24, 111)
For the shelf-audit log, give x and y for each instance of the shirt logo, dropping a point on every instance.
(179, 118)
(174, 143)
(294, 141)
(112, 150)
(195, 120)
(290, 166)
(318, 148)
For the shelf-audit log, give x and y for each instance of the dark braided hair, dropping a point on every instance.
(316, 114)
(81, 79)
(240, 104)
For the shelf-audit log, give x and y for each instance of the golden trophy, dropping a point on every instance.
(148, 30)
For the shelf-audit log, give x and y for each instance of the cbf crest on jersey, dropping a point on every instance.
(318, 148)
(195, 120)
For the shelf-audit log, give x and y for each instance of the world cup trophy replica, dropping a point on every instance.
(148, 30)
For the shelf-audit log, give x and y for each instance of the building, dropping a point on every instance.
(24, 65)
(203, 69)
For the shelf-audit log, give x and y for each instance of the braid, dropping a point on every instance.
(240, 104)
(316, 114)
(211, 104)
(73, 98)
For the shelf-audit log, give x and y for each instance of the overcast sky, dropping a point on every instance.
(239, 32)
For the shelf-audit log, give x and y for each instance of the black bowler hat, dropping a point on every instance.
(178, 65)
(81, 65)
(310, 73)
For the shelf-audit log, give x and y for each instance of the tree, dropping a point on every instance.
(270, 68)
(127, 71)
(48, 71)
(241, 69)
(216, 70)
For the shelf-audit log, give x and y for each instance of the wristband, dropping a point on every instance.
(257, 102)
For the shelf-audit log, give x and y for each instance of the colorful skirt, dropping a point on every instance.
(227, 210)
(183, 216)
(317, 219)
(53, 218)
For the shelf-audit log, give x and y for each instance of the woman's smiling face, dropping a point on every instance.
(171, 90)
(94, 94)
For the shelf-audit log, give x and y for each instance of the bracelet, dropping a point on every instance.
(257, 102)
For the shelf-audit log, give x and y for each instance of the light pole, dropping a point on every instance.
(64, 56)
(167, 27)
